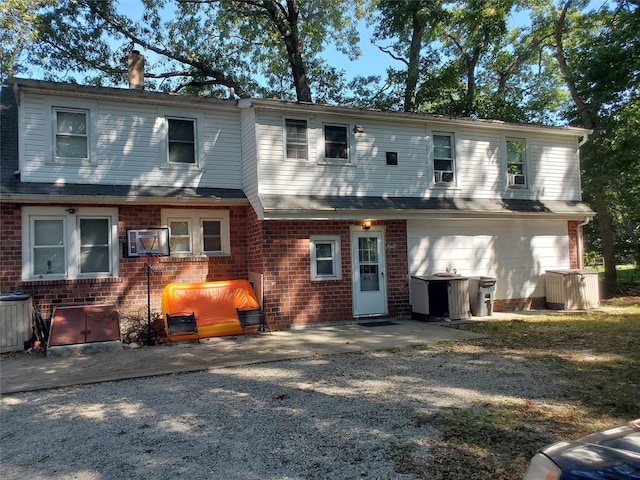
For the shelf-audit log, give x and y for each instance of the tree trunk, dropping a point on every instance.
(607, 236)
(413, 69)
(289, 28)
(300, 79)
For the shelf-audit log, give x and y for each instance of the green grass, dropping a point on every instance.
(625, 274)
(597, 357)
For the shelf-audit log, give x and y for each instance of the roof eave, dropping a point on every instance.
(327, 214)
(119, 200)
(311, 108)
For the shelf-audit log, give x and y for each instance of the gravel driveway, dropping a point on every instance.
(329, 417)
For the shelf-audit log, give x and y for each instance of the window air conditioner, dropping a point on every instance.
(516, 180)
(443, 176)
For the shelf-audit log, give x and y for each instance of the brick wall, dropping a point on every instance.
(573, 243)
(11, 243)
(292, 298)
(129, 291)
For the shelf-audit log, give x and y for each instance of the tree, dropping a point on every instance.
(414, 23)
(17, 33)
(599, 57)
(460, 58)
(199, 46)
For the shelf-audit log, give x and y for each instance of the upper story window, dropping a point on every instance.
(516, 158)
(443, 158)
(296, 139)
(325, 257)
(198, 232)
(65, 243)
(336, 142)
(71, 134)
(182, 140)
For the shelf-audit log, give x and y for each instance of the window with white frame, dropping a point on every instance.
(296, 140)
(181, 138)
(444, 158)
(71, 133)
(516, 167)
(336, 142)
(325, 257)
(69, 243)
(194, 232)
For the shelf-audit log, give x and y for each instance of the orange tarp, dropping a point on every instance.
(213, 303)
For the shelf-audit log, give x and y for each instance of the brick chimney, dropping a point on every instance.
(136, 70)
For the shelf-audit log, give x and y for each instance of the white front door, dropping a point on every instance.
(369, 287)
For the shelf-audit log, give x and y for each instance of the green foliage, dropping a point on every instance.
(470, 60)
(17, 34)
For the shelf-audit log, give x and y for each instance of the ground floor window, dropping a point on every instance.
(195, 232)
(69, 243)
(325, 257)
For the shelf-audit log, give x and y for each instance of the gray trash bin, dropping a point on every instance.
(481, 293)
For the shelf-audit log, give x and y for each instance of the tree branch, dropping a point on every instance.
(395, 57)
(220, 77)
(582, 107)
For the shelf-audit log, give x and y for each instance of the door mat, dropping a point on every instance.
(381, 323)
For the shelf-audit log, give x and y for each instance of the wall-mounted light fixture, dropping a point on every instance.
(357, 128)
(366, 225)
(70, 210)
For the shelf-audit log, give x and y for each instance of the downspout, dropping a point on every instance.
(581, 142)
(579, 242)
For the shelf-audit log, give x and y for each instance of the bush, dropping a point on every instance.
(134, 327)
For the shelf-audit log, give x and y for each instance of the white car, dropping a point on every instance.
(612, 454)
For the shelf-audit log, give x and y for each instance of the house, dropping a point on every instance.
(328, 210)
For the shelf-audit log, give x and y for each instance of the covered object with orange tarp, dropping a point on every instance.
(214, 305)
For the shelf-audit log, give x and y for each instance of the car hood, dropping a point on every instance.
(613, 454)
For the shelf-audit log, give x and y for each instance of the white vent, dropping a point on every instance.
(516, 180)
(443, 176)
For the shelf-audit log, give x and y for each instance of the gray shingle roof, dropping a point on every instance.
(297, 203)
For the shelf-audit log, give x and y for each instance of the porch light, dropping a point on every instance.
(366, 225)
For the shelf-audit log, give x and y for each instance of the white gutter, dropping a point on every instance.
(582, 141)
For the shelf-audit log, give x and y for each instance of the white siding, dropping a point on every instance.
(556, 168)
(250, 158)
(129, 146)
(516, 252)
(553, 170)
